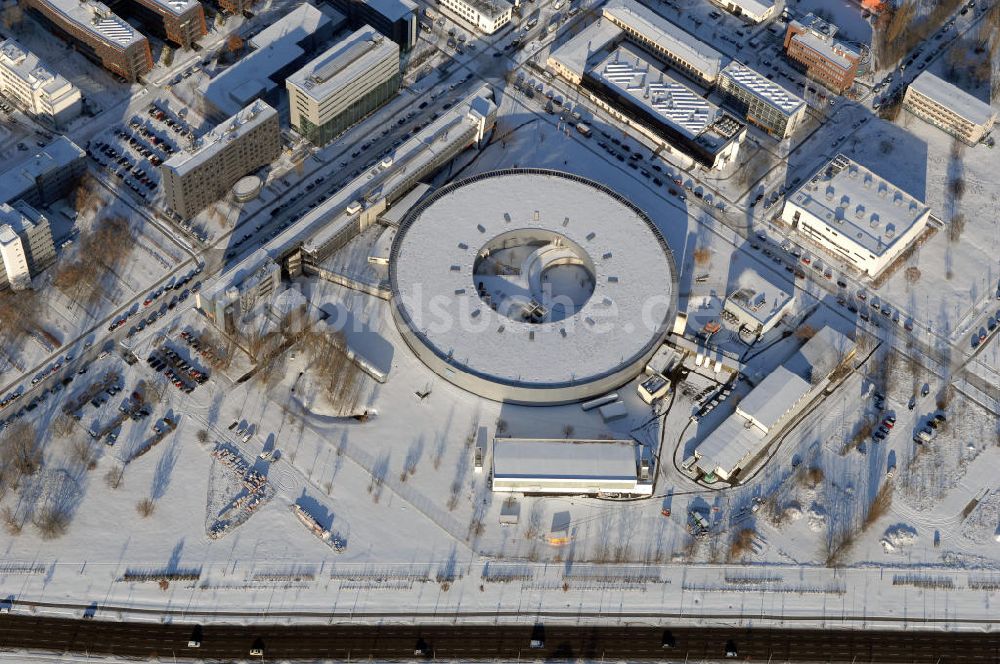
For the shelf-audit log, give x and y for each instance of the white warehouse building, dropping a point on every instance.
(855, 215)
(569, 467)
(29, 82)
(487, 16)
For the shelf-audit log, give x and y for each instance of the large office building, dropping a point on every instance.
(25, 244)
(811, 44)
(949, 108)
(35, 88)
(856, 215)
(343, 85)
(762, 102)
(45, 177)
(665, 40)
(277, 51)
(181, 22)
(202, 174)
(396, 19)
(487, 16)
(631, 87)
(99, 34)
(752, 11)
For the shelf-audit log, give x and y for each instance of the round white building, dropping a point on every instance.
(532, 286)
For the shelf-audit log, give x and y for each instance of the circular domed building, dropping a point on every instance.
(532, 286)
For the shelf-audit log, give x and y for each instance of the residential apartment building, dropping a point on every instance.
(487, 16)
(36, 89)
(810, 43)
(181, 22)
(949, 108)
(343, 85)
(396, 19)
(675, 46)
(99, 34)
(762, 102)
(45, 177)
(25, 244)
(856, 216)
(753, 11)
(204, 173)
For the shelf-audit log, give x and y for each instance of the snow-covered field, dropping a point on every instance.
(398, 485)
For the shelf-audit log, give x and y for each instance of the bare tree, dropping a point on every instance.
(52, 522)
(113, 478)
(145, 507)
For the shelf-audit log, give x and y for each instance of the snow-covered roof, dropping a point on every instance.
(344, 63)
(435, 287)
(249, 79)
(542, 459)
(757, 296)
(296, 25)
(819, 35)
(211, 143)
(393, 9)
(752, 7)
(766, 90)
(818, 356)
(666, 35)
(859, 204)
(27, 66)
(953, 98)
(57, 155)
(98, 19)
(574, 53)
(489, 8)
(773, 397)
(630, 71)
(729, 444)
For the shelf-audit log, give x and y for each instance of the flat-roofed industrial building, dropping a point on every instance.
(629, 85)
(666, 40)
(568, 467)
(856, 215)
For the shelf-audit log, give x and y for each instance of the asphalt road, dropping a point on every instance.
(396, 642)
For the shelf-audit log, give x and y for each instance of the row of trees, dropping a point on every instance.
(900, 29)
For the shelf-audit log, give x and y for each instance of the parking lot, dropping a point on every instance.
(132, 152)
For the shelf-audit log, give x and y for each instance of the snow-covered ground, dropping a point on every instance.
(399, 487)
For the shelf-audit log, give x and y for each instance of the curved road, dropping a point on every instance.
(467, 642)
